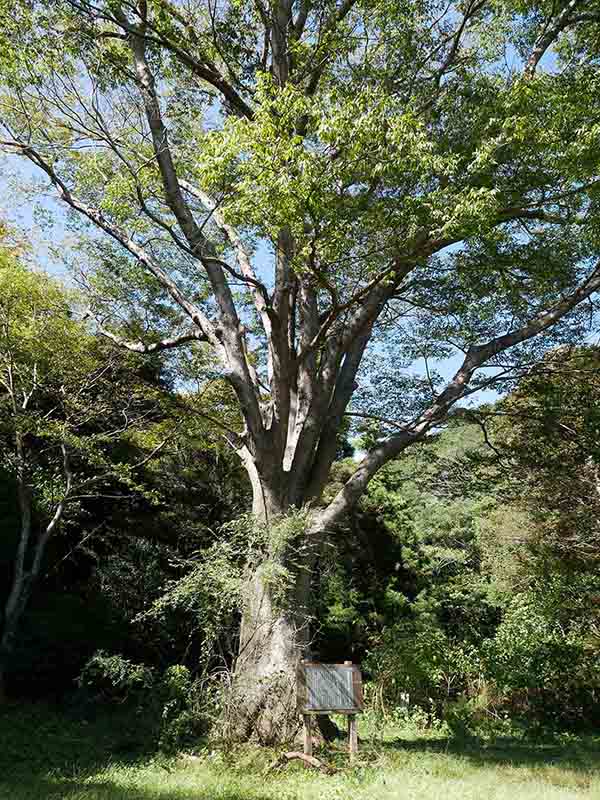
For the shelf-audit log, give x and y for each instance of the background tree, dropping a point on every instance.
(65, 408)
(296, 185)
(549, 429)
(493, 603)
(546, 435)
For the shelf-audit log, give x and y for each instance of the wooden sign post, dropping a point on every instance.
(330, 689)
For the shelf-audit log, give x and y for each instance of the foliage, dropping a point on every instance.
(420, 663)
(212, 590)
(307, 199)
(308, 205)
(61, 386)
(484, 608)
(550, 429)
(544, 669)
(298, 203)
(172, 698)
(114, 677)
(76, 422)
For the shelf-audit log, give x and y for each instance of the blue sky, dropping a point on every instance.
(16, 174)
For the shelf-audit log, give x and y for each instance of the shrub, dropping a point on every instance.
(422, 661)
(542, 665)
(174, 700)
(113, 678)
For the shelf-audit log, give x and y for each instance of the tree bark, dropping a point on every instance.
(28, 559)
(274, 638)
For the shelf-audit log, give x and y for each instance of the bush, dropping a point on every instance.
(174, 700)
(112, 678)
(539, 666)
(543, 666)
(184, 709)
(421, 661)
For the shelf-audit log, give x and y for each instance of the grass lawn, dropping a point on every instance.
(44, 754)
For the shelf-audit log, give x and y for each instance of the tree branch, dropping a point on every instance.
(52, 525)
(94, 215)
(476, 357)
(329, 26)
(548, 36)
(261, 295)
(204, 69)
(154, 347)
(231, 331)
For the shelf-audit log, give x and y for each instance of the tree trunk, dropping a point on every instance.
(20, 588)
(25, 577)
(274, 638)
(9, 630)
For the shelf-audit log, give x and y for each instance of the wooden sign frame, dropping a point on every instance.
(308, 712)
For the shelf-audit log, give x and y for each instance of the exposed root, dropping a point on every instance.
(310, 761)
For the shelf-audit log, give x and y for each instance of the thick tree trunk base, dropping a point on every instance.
(262, 709)
(263, 701)
(262, 704)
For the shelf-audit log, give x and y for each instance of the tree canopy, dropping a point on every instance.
(285, 183)
(75, 422)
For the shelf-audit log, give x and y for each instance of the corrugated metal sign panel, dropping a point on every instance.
(330, 686)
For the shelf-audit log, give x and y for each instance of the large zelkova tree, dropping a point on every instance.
(314, 191)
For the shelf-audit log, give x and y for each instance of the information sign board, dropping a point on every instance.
(329, 688)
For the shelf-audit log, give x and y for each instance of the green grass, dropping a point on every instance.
(44, 754)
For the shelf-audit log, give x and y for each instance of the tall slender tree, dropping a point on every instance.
(320, 193)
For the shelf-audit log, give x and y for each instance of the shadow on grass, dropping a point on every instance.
(582, 756)
(37, 740)
(46, 754)
(61, 789)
